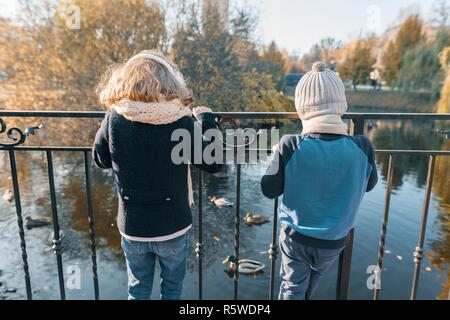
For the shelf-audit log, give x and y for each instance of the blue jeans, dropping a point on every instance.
(141, 258)
(302, 267)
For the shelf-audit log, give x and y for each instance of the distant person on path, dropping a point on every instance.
(147, 100)
(323, 175)
(375, 79)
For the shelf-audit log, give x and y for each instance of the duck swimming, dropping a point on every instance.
(8, 195)
(37, 222)
(246, 266)
(254, 219)
(221, 202)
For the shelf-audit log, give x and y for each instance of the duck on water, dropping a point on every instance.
(254, 219)
(8, 195)
(36, 222)
(220, 202)
(246, 266)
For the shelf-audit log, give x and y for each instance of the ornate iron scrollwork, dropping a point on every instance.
(16, 135)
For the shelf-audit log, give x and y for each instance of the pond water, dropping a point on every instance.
(403, 230)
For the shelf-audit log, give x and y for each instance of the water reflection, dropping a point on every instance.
(440, 256)
(410, 135)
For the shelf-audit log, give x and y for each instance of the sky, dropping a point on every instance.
(296, 25)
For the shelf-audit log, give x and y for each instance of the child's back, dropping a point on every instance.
(324, 178)
(323, 175)
(153, 191)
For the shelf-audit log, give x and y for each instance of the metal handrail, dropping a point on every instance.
(234, 115)
(378, 151)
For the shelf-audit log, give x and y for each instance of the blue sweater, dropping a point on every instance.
(323, 179)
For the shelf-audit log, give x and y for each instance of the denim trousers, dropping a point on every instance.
(302, 267)
(141, 258)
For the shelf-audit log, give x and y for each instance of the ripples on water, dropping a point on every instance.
(403, 229)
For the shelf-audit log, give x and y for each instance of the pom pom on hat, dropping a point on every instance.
(318, 66)
(320, 92)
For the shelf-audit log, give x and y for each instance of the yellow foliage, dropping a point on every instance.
(50, 65)
(444, 104)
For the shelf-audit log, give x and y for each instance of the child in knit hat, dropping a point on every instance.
(323, 175)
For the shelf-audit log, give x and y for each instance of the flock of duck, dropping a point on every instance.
(250, 219)
(245, 266)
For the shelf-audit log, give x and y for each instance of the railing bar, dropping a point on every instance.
(233, 115)
(57, 244)
(23, 246)
(81, 149)
(344, 269)
(199, 249)
(357, 126)
(418, 254)
(387, 204)
(273, 250)
(237, 222)
(91, 224)
(50, 148)
(52, 114)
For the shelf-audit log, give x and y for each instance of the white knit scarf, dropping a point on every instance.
(156, 113)
(330, 123)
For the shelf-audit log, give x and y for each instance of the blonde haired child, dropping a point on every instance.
(147, 100)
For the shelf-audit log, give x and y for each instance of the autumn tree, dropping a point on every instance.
(408, 36)
(273, 63)
(292, 63)
(421, 68)
(444, 104)
(204, 53)
(323, 51)
(440, 253)
(223, 67)
(359, 62)
(52, 64)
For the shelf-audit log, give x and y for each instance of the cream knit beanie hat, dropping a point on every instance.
(320, 101)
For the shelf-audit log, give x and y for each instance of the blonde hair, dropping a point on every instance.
(145, 77)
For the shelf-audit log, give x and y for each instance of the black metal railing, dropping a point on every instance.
(16, 137)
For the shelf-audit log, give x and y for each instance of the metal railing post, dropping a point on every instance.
(344, 269)
(199, 246)
(91, 224)
(273, 249)
(418, 254)
(387, 204)
(345, 259)
(23, 246)
(237, 222)
(57, 242)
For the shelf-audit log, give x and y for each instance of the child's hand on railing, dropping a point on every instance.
(275, 148)
(199, 110)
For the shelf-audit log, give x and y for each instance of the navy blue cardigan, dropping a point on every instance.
(153, 191)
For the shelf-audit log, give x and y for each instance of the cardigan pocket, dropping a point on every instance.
(146, 197)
